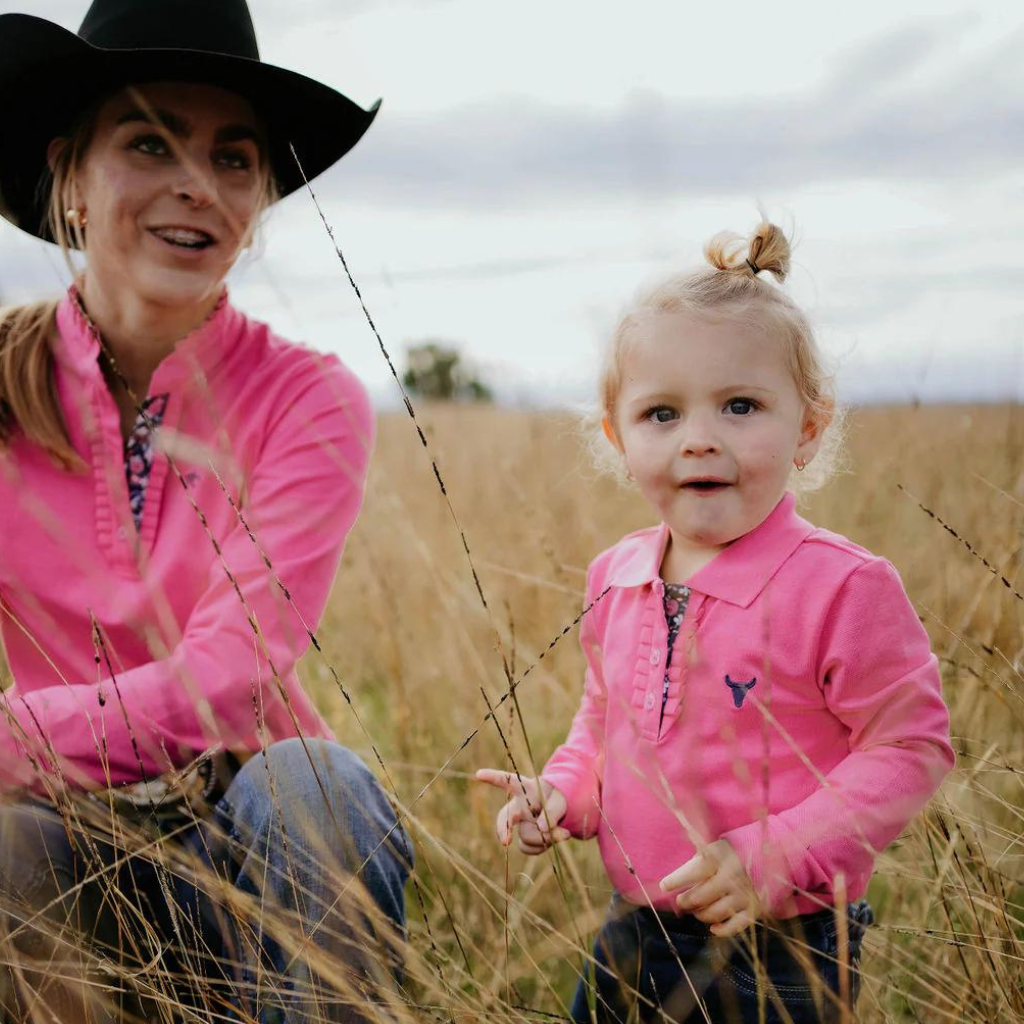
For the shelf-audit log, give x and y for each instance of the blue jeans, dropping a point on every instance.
(655, 965)
(285, 904)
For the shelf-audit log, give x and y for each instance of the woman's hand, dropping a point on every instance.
(718, 890)
(535, 806)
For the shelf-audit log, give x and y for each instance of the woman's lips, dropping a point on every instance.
(181, 251)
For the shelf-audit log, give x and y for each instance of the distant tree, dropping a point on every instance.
(435, 370)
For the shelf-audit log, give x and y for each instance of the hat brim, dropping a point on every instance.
(49, 77)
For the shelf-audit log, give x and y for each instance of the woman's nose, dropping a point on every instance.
(196, 187)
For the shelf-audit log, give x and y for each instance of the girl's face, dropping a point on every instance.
(169, 205)
(712, 401)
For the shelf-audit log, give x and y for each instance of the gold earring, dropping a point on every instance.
(801, 465)
(76, 218)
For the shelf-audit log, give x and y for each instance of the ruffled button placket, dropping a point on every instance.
(116, 529)
(683, 654)
(650, 663)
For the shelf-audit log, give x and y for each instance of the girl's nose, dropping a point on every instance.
(699, 438)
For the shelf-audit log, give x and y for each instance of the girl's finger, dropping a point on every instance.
(499, 779)
(546, 821)
(531, 850)
(503, 825)
(520, 812)
(734, 925)
(719, 911)
(534, 840)
(703, 895)
(522, 786)
(697, 869)
(530, 835)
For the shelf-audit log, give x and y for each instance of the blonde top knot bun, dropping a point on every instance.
(767, 249)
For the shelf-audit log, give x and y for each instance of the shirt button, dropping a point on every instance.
(122, 532)
(655, 657)
(649, 702)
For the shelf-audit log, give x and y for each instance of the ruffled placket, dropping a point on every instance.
(95, 423)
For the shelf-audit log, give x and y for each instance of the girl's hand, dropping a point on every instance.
(534, 805)
(718, 890)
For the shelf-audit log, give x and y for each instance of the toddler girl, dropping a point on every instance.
(762, 712)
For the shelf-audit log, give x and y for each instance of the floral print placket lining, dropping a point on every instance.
(675, 601)
(138, 452)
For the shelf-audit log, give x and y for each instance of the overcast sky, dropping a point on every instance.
(533, 164)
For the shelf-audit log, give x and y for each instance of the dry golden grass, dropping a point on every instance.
(417, 652)
(499, 937)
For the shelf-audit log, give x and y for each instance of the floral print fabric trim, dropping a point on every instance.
(677, 597)
(138, 452)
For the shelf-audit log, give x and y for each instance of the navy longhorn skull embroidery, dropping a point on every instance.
(739, 690)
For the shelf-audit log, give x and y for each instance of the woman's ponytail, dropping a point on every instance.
(28, 391)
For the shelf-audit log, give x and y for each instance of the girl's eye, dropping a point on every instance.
(661, 414)
(742, 406)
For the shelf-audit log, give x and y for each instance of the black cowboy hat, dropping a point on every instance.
(49, 76)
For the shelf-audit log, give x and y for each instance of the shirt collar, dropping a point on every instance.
(736, 574)
(193, 356)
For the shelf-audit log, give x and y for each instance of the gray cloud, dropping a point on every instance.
(868, 121)
(890, 58)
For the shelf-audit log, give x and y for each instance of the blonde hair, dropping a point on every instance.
(732, 288)
(29, 402)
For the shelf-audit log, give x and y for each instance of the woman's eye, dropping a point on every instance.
(235, 159)
(742, 406)
(153, 144)
(662, 414)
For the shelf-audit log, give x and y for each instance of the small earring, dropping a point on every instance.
(629, 474)
(800, 464)
(76, 218)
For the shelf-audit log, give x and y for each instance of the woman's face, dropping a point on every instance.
(171, 185)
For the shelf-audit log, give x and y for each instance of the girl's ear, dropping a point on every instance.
(609, 432)
(814, 427)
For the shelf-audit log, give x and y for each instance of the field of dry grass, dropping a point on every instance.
(497, 937)
(422, 659)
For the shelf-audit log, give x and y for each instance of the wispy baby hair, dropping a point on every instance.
(734, 287)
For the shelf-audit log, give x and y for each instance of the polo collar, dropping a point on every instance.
(194, 356)
(736, 574)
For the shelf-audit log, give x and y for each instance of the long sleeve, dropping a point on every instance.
(303, 495)
(577, 765)
(880, 678)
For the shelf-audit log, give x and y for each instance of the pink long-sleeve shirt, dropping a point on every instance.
(198, 641)
(804, 722)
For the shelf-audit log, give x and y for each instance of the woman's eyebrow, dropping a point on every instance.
(159, 119)
(237, 133)
(179, 126)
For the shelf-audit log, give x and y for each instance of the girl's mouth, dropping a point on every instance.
(706, 486)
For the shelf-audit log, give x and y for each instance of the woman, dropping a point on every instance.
(176, 484)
